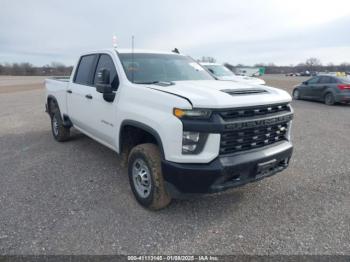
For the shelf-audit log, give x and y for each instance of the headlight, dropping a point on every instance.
(192, 142)
(192, 113)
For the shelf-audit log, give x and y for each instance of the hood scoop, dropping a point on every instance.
(245, 91)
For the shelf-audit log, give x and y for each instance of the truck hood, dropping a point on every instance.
(224, 94)
(244, 79)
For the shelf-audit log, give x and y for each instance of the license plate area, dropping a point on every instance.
(265, 168)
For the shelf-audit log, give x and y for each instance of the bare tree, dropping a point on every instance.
(313, 63)
(207, 59)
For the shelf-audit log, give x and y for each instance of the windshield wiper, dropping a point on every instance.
(161, 83)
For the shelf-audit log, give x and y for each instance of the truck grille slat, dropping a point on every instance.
(253, 111)
(240, 140)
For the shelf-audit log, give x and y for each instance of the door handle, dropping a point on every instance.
(69, 91)
(88, 96)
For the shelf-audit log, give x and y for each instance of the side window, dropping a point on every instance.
(84, 70)
(333, 80)
(313, 80)
(325, 80)
(106, 62)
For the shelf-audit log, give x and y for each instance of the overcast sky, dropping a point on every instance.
(244, 31)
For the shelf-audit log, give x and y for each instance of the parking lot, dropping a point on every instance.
(74, 198)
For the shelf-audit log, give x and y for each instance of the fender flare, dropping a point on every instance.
(144, 127)
(66, 120)
(51, 98)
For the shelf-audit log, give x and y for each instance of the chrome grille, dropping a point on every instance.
(253, 111)
(240, 140)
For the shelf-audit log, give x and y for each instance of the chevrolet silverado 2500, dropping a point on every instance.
(178, 129)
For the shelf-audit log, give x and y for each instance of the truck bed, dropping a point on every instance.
(57, 87)
(60, 78)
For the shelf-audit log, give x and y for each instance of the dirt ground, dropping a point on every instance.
(284, 82)
(11, 84)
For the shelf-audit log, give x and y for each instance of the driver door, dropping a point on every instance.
(308, 88)
(105, 112)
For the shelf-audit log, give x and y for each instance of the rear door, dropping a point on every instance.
(79, 97)
(324, 83)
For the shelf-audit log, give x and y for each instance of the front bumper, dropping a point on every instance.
(226, 171)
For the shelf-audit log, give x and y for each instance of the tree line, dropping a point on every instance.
(311, 64)
(58, 69)
(27, 69)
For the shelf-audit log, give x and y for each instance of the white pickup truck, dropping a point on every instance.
(221, 72)
(178, 129)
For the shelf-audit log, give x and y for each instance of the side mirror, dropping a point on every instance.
(305, 83)
(103, 85)
(211, 70)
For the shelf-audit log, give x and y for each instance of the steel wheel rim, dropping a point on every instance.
(328, 99)
(55, 126)
(142, 178)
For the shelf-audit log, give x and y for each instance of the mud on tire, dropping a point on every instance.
(146, 178)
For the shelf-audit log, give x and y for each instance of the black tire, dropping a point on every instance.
(296, 94)
(329, 99)
(59, 132)
(146, 157)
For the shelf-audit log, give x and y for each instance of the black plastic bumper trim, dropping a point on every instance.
(227, 171)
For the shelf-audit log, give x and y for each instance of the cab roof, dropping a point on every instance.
(125, 51)
(144, 51)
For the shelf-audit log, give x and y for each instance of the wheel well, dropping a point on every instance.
(327, 92)
(52, 105)
(132, 135)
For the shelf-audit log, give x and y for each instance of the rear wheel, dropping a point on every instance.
(59, 131)
(329, 99)
(296, 94)
(146, 178)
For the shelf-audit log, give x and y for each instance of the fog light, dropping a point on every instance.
(189, 142)
(190, 136)
(187, 149)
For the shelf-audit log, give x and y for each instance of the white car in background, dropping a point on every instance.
(221, 72)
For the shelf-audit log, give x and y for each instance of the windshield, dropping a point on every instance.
(148, 68)
(220, 70)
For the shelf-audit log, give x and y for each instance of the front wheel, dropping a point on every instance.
(296, 94)
(146, 178)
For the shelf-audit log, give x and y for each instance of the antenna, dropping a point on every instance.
(114, 40)
(132, 58)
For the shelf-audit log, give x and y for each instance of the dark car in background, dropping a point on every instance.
(326, 88)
